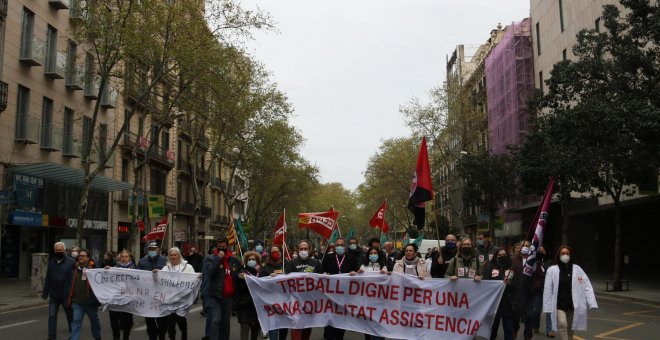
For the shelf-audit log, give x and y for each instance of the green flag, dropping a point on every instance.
(242, 238)
(351, 234)
(334, 236)
(383, 238)
(418, 240)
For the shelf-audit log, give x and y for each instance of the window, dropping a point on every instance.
(51, 49)
(165, 141)
(87, 135)
(22, 112)
(154, 136)
(71, 54)
(67, 142)
(47, 124)
(597, 25)
(563, 55)
(27, 32)
(561, 15)
(158, 181)
(541, 81)
(103, 142)
(538, 40)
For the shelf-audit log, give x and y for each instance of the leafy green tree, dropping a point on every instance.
(604, 107)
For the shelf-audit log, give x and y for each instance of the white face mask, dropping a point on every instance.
(303, 254)
(524, 251)
(564, 258)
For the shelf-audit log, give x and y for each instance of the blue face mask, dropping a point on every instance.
(339, 250)
(259, 248)
(252, 263)
(480, 243)
(450, 245)
(353, 246)
(373, 258)
(153, 253)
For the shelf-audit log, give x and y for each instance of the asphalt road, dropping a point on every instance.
(616, 319)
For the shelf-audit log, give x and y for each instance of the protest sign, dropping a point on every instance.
(144, 293)
(394, 306)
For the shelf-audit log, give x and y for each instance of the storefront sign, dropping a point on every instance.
(88, 224)
(28, 191)
(179, 235)
(156, 206)
(20, 217)
(123, 228)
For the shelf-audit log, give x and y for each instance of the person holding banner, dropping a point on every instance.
(122, 321)
(222, 271)
(153, 261)
(464, 265)
(82, 299)
(176, 264)
(272, 267)
(567, 295)
(247, 312)
(499, 268)
(410, 264)
(303, 264)
(374, 262)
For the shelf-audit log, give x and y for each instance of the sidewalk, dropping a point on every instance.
(15, 294)
(641, 290)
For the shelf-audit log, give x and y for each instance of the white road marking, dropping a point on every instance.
(18, 324)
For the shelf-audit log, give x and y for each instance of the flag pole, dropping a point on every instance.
(167, 227)
(240, 249)
(284, 238)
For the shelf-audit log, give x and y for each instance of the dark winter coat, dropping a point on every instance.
(215, 271)
(58, 279)
(247, 312)
(508, 307)
(148, 263)
(79, 290)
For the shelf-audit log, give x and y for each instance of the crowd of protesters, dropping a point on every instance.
(551, 290)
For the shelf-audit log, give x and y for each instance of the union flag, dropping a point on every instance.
(321, 223)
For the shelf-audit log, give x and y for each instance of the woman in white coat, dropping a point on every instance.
(176, 263)
(567, 295)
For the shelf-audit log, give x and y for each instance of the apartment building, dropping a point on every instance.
(467, 127)
(555, 25)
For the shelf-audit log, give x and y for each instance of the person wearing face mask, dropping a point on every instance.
(464, 265)
(153, 261)
(247, 312)
(374, 262)
(58, 275)
(507, 312)
(448, 252)
(567, 295)
(485, 250)
(339, 263)
(122, 321)
(260, 248)
(411, 264)
(304, 263)
(355, 250)
(74, 253)
(273, 267)
(222, 271)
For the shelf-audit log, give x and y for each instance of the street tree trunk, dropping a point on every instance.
(618, 251)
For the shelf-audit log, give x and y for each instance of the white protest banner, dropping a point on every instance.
(393, 306)
(144, 293)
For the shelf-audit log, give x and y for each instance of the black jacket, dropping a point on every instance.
(58, 279)
(214, 269)
(348, 262)
(299, 265)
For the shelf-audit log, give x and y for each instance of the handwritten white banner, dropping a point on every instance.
(393, 306)
(144, 293)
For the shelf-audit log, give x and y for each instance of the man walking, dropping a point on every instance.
(153, 261)
(82, 299)
(58, 276)
(221, 270)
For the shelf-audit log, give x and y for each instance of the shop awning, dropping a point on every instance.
(75, 177)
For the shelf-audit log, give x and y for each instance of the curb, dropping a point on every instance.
(627, 298)
(18, 306)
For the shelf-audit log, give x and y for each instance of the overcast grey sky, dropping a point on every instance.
(347, 66)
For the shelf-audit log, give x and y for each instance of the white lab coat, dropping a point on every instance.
(582, 294)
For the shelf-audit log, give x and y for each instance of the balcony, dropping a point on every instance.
(33, 50)
(183, 166)
(75, 77)
(60, 4)
(71, 148)
(157, 153)
(184, 127)
(51, 138)
(56, 66)
(109, 97)
(205, 211)
(28, 129)
(3, 9)
(186, 208)
(77, 12)
(137, 91)
(4, 90)
(92, 87)
(215, 183)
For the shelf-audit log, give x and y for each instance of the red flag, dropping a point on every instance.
(541, 219)
(378, 220)
(321, 223)
(280, 230)
(421, 189)
(158, 232)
